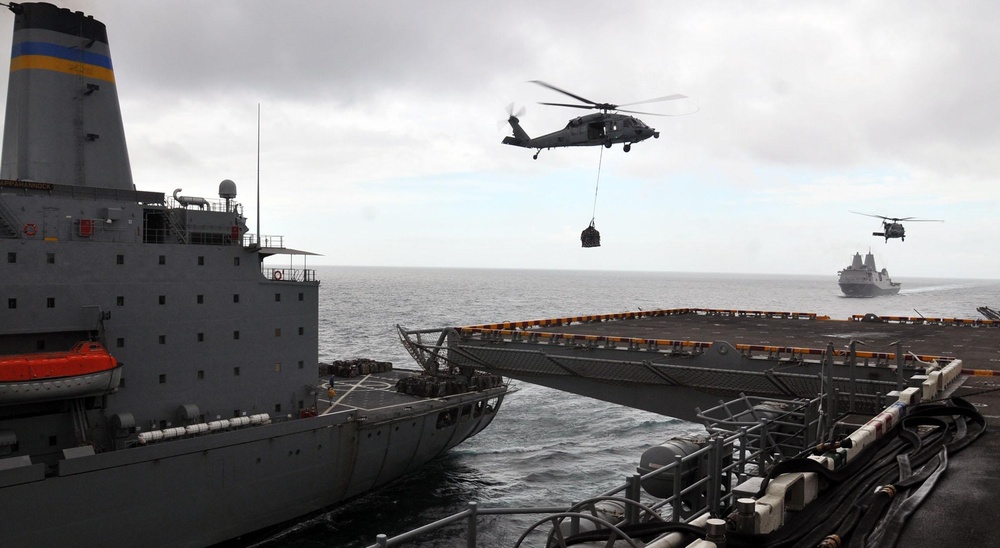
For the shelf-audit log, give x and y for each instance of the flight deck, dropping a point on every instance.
(975, 341)
(679, 361)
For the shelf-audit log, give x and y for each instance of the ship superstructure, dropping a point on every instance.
(208, 421)
(865, 279)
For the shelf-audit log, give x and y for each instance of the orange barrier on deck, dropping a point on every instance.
(510, 329)
(981, 372)
(83, 359)
(643, 314)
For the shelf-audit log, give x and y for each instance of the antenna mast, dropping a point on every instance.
(258, 176)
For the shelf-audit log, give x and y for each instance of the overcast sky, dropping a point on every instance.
(381, 145)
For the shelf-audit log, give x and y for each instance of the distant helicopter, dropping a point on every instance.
(891, 226)
(604, 128)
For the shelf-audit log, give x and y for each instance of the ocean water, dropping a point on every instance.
(545, 448)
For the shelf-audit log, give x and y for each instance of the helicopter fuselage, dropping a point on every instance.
(891, 230)
(590, 130)
(892, 227)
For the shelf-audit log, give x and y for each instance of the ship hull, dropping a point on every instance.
(262, 476)
(869, 289)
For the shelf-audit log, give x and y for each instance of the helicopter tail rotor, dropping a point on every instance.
(511, 114)
(510, 111)
(520, 138)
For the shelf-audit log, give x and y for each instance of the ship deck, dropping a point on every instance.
(955, 513)
(372, 394)
(975, 342)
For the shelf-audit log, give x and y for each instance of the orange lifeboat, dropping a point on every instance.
(86, 370)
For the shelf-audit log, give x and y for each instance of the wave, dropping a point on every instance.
(934, 288)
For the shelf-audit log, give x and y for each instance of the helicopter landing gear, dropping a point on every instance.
(607, 144)
(627, 147)
(535, 157)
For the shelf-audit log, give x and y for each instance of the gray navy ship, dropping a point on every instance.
(865, 279)
(158, 383)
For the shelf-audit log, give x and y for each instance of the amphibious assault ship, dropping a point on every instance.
(812, 436)
(158, 383)
(865, 279)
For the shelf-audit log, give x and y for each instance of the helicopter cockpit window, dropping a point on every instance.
(628, 123)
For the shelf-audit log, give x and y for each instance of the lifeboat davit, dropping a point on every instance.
(86, 370)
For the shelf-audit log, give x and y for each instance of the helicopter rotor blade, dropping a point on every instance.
(648, 113)
(564, 92)
(607, 106)
(870, 215)
(658, 99)
(567, 105)
(656, 113)
(898, 219)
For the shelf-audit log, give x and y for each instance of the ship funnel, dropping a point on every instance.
(64, 123)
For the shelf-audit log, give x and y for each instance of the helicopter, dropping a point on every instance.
(892, 227)
(604, 128)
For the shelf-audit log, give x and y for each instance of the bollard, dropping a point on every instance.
(715, 532)
(746, 512)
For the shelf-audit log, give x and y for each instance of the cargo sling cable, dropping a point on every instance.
(869, 499)
(590, 237)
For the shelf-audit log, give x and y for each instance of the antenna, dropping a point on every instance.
(258, 176)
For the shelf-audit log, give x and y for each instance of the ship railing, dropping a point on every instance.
(174, 228)
(174, 234)
(289, 274)
(789, 427)
(10, 225)
(701, 482)
(265, 240)
(203, 204)
(252, 240)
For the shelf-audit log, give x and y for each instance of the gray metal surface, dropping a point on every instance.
(672, 361)
(612, 356)
(217, 426)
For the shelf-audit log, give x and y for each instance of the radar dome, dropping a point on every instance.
(227, 189)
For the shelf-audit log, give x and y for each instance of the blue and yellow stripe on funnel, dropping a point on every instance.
(68, 60)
